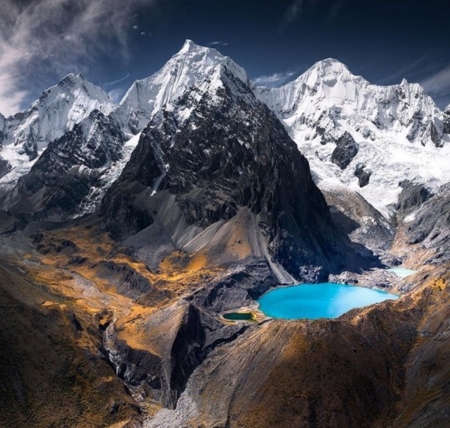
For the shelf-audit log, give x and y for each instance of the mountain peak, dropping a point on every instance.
(194, 68)
(329, 67)
(190, 46)
(78, 89)
(194, 53)
(72, 79)
(58, 110)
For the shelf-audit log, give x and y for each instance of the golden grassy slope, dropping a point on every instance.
(53, 303)
(51, 371)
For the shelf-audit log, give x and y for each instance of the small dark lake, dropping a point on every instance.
(238, 316)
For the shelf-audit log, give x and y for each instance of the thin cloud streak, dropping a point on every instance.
(274, 80)
(115, 82)
(296, 9)
(439, 83)
(293, 12)
(404, 71)
(54, 37)
(218, 43)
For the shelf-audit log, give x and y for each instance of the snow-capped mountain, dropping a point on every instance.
(193, 69)
(215, 173)
(58, 110)
(366, 137)
(64, 179)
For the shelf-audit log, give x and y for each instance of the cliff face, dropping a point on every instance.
(68, 171)
(230, 159)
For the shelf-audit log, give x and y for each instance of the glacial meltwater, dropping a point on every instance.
(314, 301)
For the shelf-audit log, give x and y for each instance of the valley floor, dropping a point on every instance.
(80, 351)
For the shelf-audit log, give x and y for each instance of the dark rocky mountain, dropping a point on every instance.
(447, 120)
(232, 159)
(346, 149)
(353, 215)
(430, 225)
(2, 127)
(68, 170)
(412, 196)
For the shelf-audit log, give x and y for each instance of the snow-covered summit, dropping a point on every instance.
(365, 137)
(193, 68)
(329, 85)
(392, 132)
(58, 110)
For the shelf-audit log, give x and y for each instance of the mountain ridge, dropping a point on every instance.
(393, 132)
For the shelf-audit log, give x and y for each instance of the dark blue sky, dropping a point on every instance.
(382, 40)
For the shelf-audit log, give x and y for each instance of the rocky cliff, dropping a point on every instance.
(230, 159)
(68, 171)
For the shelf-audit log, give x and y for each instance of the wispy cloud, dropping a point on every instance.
(298, 7)
(293, 12)
(115, 82)
(274, 80)
(335, 9)
(405, 71)
(218, 43)
(42, 37)
(438, 83)
(116, 94)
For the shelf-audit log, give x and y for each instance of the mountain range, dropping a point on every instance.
(356, 135)
(127, 230)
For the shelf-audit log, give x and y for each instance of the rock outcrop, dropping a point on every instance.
(430, 227)
(447, 120)
(346, 149)
(413, 195)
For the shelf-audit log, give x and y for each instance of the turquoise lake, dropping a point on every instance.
(313, 301)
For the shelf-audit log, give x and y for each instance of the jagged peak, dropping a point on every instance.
(328, 66)
(190, 46)
(191, 66)
(74, 83)
(72, 79)
(199, 56)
